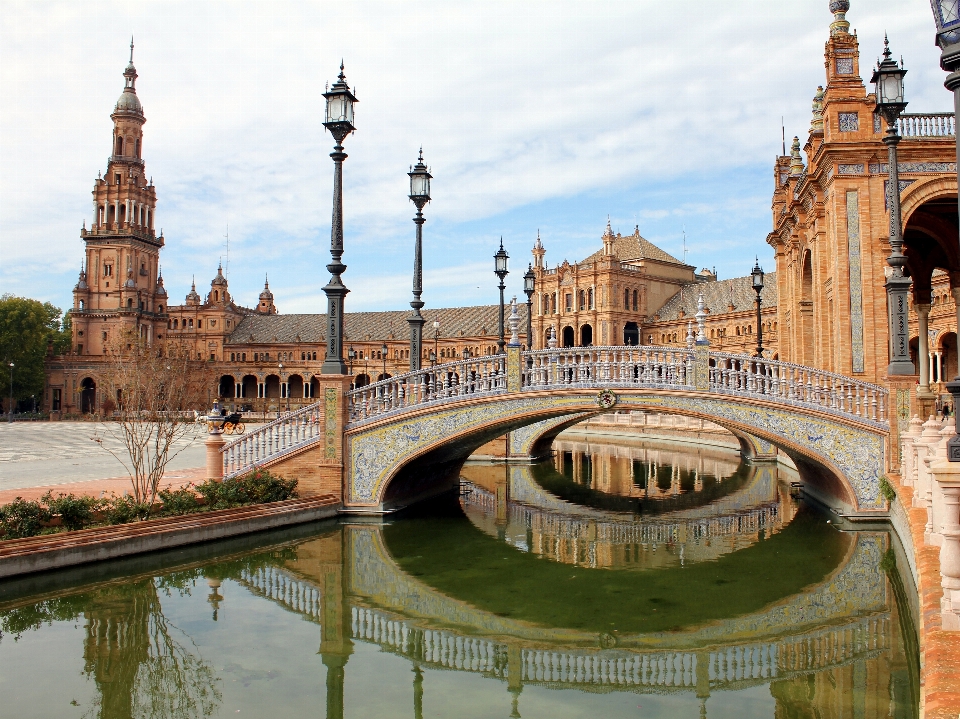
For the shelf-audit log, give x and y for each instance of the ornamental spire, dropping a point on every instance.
(840, 25)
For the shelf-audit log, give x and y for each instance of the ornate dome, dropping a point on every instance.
(266, 294)
(839, 6)
(193, 298)
(161, 290)
(219, 280)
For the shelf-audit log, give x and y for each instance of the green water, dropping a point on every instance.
(509, 600)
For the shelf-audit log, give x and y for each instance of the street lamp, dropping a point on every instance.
(757, 274)
(529, 283)
(339, 121)
(888, 78)
(433, 358)
(10, 406)
(436, 340)
(280, 369)
(420, 195)
(351, 356)
(383, 353)
(500, 270)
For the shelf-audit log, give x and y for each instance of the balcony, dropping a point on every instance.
(930, 124)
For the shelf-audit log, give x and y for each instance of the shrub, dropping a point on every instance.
(75, 512)
(121, 510)
(886, 489)
(257, 487)
(21, 518)
(179, 501)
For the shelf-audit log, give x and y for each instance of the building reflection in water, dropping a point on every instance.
(840, 647)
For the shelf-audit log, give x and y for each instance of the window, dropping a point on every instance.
(583, 300)
(119, 148)
(199, 324)
(137, 146)
(568, 301)
(81, 305)
(107, 270)
(130, 303)
(634, 300)
(191, 324)
(116, 178)
(79, 349)
(626, 299)
(590, 298)
(243, 357)
(104, 337)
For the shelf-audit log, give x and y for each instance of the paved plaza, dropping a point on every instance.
(44, 454)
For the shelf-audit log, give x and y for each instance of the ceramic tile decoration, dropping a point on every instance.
(856, 290)
(849, 121)
(850, 169)
(844, 65)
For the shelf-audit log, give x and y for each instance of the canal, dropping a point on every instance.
(619, 579)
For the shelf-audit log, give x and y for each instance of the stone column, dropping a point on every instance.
(908, 454)
(214, 443)
(929, 437)
(947, 476)
(924, 396)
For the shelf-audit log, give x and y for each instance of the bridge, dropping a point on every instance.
(387, 444)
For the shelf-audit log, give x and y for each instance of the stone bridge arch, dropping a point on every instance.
(392, 461)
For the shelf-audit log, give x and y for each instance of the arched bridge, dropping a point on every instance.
(400, 438)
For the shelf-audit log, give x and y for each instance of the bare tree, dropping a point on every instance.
(156, 390)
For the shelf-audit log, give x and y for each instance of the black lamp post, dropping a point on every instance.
(888, 78)
(757, 274)
(383, 353)
(500, 270)
(946, 13)
(529, 283)
(420, 194)
(339, 121)
(436, 341)
(351, 356)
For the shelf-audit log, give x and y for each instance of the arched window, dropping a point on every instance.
(130, 303)
(626, 299)
(119, 146)
(138, 148)
(634, 300)
(590, 298)
(160, 309)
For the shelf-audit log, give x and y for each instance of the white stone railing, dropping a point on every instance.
(273, 440)
(476, 376)
(639, 366)
(793, 384)
(932, 124)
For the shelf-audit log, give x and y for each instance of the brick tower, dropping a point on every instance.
(118, 287)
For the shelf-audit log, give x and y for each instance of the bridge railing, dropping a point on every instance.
(274, 439)
(745, 376)
(476, 376)
(644, 366)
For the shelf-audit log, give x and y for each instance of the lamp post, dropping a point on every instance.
(420, 195)
(433, 358)
(383, 354)
(436, 341)
(280, 370)
(946, 14)
(757, 274)
(339, 121)
(500, 270)
(529, 283)
(351, 356)
(888, 78)
(10, 405)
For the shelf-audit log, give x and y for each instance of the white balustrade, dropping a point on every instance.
(631, 366)
(939, 124)
(473, 377)
(273, 440)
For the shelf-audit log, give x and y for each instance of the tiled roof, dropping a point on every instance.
(718, 296)
(635, 247)
(373, 326)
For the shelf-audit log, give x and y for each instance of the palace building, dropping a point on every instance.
(823, 306)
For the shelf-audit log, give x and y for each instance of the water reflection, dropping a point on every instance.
(789, 619)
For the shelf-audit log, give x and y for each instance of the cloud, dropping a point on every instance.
(527, 112)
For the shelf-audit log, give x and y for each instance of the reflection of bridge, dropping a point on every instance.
(387, 443)
(807, 633)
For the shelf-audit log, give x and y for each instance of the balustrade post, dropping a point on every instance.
(947, 476)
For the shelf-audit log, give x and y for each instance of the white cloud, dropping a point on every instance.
(517, 105)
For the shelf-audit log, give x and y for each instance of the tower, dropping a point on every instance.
(538, 253)
(266, 306)
(120, 289)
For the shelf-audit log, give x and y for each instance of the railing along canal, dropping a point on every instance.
(274, 439)
(646, 366)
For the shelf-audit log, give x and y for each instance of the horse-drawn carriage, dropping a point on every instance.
(228, 424)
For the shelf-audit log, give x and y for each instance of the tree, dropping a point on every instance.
(26, 328)
(156, 391)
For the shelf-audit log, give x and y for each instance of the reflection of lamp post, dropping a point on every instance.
(420, 194)
(757, 274)
(500, 270)
(383, 351)
(339, 121)
(10, 407)
(529, 283)
(888, 78)
(946, 14)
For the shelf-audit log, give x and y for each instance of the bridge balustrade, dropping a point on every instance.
(274, 439)
(470, 377)
(648, 366)
(795, 384)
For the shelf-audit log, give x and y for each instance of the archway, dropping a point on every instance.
(271, 387)
(295, 386)
(586, 336)
(806, 309)
(569, 339)
(248, 388)
(948, 346)
(631, 334)
(361, 380)
(88, 395)
(227, 386)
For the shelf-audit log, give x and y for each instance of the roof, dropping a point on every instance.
(718, 295)
(635, 247)
(372, 326)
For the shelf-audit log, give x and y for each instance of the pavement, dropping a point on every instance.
(63, 457)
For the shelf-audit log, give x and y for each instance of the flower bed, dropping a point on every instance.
(68, 512)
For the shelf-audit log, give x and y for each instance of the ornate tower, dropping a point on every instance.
(120, 290)
(266, 306)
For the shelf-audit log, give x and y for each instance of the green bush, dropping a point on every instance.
(179, 501)
(121, 510)
(75, 512)
(21, 518)
(886, 489)
(255, 488)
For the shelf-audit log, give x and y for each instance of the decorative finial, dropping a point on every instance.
(701, 320)
(552, 342)
(131, 49)
(690, 338)
(266, 282)
(514, 323)
(839, 24)
(796, 162)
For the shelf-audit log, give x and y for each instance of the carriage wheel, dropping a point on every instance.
(228, 428)
(238, 428)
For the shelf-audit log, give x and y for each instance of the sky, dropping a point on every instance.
(535, 116)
